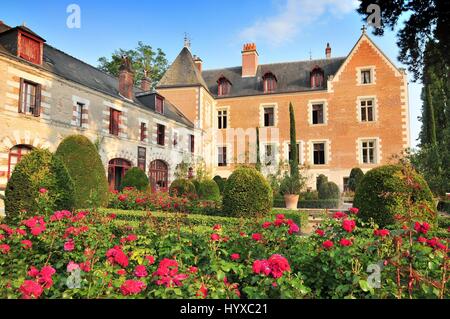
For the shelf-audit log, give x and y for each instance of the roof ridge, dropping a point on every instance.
(273, 63)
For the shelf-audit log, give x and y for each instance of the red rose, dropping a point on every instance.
(33, 272)
(327, 244)
(69, 245)
(132, 287)
(338, 215)
(381, 232)
(293, 228)
(202, 292)
(422, 228)
(278, 265)
(27, 244)
(348, 225)
(320, 232)
(280, 216)
(122, 197)
(71, 266)
(215, 237)
(30, 290)
(422, 240)
(86, 266)
(121, 272)
(345, 242)
(217, 227)
(116, 255)
(193, 269)
(266, 225)
(140, 271)
(353, 210)
(261, 267)
(151, 259)
(257, 236)
(235, 256)
(43, 190)
(4, 248)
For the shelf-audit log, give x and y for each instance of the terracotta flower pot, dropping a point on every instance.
(291, 201)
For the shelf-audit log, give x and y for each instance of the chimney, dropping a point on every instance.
(249, 60)
(146, 83)
(328, 51)
(198, 63)
(126, 78)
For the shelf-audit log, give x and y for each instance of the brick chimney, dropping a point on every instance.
(126, 77)
(249, 60)
(146, 83)
(198, 63)
(328, 51)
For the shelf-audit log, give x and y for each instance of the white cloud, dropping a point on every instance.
(291, 17)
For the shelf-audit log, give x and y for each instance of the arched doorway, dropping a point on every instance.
(15, 155)
(117, 168)
(159, 175)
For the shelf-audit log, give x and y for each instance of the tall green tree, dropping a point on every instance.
(144, 61)
(293, 163)
(258, 157)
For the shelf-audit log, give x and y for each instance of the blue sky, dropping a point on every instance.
(284, 30)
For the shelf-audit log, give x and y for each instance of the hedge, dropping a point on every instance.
(86, 169)
(182, 187)
(208, 190)
(37, 170)
(247, 193)
(317, 203)
(329, 190)
(135, 177)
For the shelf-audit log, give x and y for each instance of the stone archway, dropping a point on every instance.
(159, 175)
(117, 167)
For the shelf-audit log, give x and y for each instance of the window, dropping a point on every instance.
(269, 154)
(367, 114)
(30, 49)
(159, 105)
(317, 114)
(15, 155)
(319, 153)
(317, 78)
(114, 121)
(30, 98)
(80, 108)
(368, 151)
(269, 116)
(192, 143)
(223, 86)
(222, 118)
(270, 83)
(298, 153)
(142, 157)
(366, 76)
(160, 134)
(143, 131)
(222, 156)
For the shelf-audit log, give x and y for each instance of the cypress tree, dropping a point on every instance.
(258, 158)
(293, 146)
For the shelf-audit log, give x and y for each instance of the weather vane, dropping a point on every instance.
(187, 41)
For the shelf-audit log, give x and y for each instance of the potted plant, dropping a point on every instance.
(290, 187)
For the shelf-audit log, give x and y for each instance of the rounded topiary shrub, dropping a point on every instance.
(321, 179)
(182, 187)
(86, 169)
(37, 170)
(329, 190)
(356, 175)
(135, 177)
(208, 190)
(247, 193)
(220, 183)
(384, 192)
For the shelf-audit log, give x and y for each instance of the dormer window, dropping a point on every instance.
(223, 86)
(159, 105)
(317, 78)
(270, 82)
(29, 47)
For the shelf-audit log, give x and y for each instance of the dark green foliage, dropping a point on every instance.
(308, 203)
(384, 192)
(135, 177)
(247, 193)
(444, 206)
(329, 190)
(293, 163)
(356, 175)
(208, 190)
(258, 157)
(220, 183)
(182, 187)
(291, 184)
(86, 170)
(196, 183)
(38, 169)
(320, 180)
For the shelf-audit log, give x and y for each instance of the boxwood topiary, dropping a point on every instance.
(208, 190)
(220, 182)
(86, 169)
(384, 192)
(247, 193)
(38, 169)
(329, 190)
(135, 177)
(320, 180)
(356, 175)
(182, 187)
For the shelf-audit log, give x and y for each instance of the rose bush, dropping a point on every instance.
(89, 254)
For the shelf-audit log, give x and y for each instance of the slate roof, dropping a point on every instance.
(73, 69)
(182, 72)
(291, 77)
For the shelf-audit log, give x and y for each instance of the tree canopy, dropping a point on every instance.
(144, 60)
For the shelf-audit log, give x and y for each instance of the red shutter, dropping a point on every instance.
(21, 92)
(111, 120)
(37, 109)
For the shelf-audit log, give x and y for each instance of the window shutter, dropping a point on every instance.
(37, 109)
(22, 87)
(111, 120)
